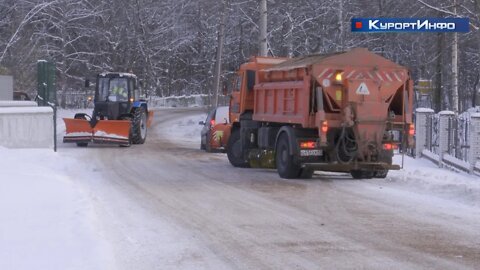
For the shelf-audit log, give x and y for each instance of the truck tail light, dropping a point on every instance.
(411, 130)
(308, 145)
(389, 146)
(324, 127)
(212, 123)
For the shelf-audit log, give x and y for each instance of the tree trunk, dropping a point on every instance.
(438, 74)
(263, 49)
(455, 67)
(340, 46)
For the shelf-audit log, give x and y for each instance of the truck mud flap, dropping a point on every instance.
(338, 167)
(112, 131)
(77, 130)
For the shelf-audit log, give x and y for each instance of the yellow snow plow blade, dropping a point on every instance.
(112, 131)
(77, 130)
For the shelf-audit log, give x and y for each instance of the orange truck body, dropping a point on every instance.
(337, 112)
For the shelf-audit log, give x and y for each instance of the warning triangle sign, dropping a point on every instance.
(362, 89)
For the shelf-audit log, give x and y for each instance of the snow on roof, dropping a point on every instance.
(301, 62)
(270, 60)
(20, 110)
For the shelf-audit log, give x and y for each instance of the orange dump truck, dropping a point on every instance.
(335, 112)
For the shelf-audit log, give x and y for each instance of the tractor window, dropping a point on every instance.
(113, 89)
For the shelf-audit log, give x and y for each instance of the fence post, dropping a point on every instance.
(444, 134)
(474, 141)
(421, 126)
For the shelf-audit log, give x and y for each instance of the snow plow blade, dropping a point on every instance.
(150, 119)
(77, 131)
(112, 131)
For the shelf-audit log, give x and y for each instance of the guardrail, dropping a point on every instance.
(25, 125)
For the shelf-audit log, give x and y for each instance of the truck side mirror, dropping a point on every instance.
(87, 83)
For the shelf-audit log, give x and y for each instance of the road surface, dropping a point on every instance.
(168, 205)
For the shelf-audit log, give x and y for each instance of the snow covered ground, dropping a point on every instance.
(49, 219)
(46, 222)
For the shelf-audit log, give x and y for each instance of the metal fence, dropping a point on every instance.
(457, 132)
(448, 138)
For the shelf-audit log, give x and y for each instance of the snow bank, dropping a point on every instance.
(46, 222)
(428, 178)
(199, 100)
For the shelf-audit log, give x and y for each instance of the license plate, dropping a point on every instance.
(313, 152)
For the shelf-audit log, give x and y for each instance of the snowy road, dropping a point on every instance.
(168, 205)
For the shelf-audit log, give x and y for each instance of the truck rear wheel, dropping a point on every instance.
(361, 174)
(139, 126)
(380, 174)
(286, 166)
(234, 150)
(305, 173)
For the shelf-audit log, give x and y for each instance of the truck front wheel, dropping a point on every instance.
(286, 165)
(234, 150)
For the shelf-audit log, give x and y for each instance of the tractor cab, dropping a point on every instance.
(119, 116)
(114, 95)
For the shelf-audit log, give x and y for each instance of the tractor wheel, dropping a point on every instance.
(234, 150)
(139, 126)
(286, 166)
(380, 174)
(361, 174)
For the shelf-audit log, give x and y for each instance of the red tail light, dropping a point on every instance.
(324, 126)
(411, 130)
(212, 123)
(308, 145)
(390, 146)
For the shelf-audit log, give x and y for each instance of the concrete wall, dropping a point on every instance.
(26, 127)
(6, 87)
